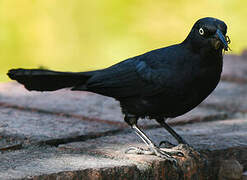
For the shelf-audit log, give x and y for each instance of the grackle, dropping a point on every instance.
(163, 83)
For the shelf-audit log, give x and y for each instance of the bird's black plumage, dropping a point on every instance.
(162, 83)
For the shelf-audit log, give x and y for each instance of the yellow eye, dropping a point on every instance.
(201, 31)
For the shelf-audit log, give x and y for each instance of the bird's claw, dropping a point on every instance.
(166, 144)
(138, 150)
(165, 155)
(157, 152)
(172, 152)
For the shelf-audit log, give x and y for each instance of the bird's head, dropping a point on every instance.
(209, 33)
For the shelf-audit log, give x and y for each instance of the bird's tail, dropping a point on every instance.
(46, 80)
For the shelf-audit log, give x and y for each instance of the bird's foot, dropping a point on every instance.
(160, 152)
(166, 144)
(138, 150)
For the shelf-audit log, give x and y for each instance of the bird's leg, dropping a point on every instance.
(179, 139)
(153, 149)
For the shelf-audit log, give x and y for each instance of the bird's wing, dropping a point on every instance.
(132, 77)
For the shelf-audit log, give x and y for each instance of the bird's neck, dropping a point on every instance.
(200, 50)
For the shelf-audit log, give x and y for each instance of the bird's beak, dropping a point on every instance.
(221, 39)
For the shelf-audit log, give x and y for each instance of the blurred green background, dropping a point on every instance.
(80, 35)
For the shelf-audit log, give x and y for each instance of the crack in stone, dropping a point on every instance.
(234, 79)
(11, 147)
(62, 114)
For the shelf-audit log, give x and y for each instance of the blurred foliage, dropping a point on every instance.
(80, 35)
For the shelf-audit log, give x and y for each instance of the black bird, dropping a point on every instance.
(163, 83)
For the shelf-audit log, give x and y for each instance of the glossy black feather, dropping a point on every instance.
(46, 80)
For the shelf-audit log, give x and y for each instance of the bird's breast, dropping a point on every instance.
(190, 83)
(195, 86)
